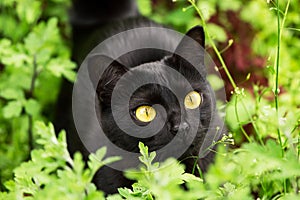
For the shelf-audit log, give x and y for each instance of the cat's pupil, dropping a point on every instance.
(190, 98)
(147, 112)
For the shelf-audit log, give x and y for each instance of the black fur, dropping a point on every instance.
(142, 63)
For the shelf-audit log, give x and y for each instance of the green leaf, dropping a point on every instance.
(69, 75)
(217, 32)
(234, 5)
(124, 192)
(180, 18)
(12, 93)
(32, 107)
(228, 188)
(29, 10)
(78, 165)
(271, 69)
(97, 160)
(13, 55)
(238, 108)
(144, 6)
(5, 45)
(47, 175)
(62, 67)
(12, 109)
(10, 185)
(114, 197)
(95, 195)
(143, 149)
(186, 177)
(44, 36)
(215, 81)
(208, 8)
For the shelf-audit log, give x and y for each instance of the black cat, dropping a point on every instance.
(176, 103)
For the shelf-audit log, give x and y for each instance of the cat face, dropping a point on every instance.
(169, 105)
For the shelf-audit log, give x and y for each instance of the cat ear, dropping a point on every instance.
(194, 39)
(191, 48)
(104, 72)
(197, 34)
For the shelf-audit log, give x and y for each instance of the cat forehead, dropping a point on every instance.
(153, 68)
(163, 74)
(157, 72)
(163, 80)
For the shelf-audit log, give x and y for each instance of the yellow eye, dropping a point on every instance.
(192, 100)
(145, 113)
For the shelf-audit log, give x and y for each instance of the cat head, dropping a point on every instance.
(175, 99)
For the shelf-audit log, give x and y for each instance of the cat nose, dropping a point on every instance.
(183, 128)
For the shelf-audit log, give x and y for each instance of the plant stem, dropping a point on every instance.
(236, 89)
(192, 2)
(277, 61)
(276, 76)
(30, 95)
(30, 133)
(238, 120)
(279, 34)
